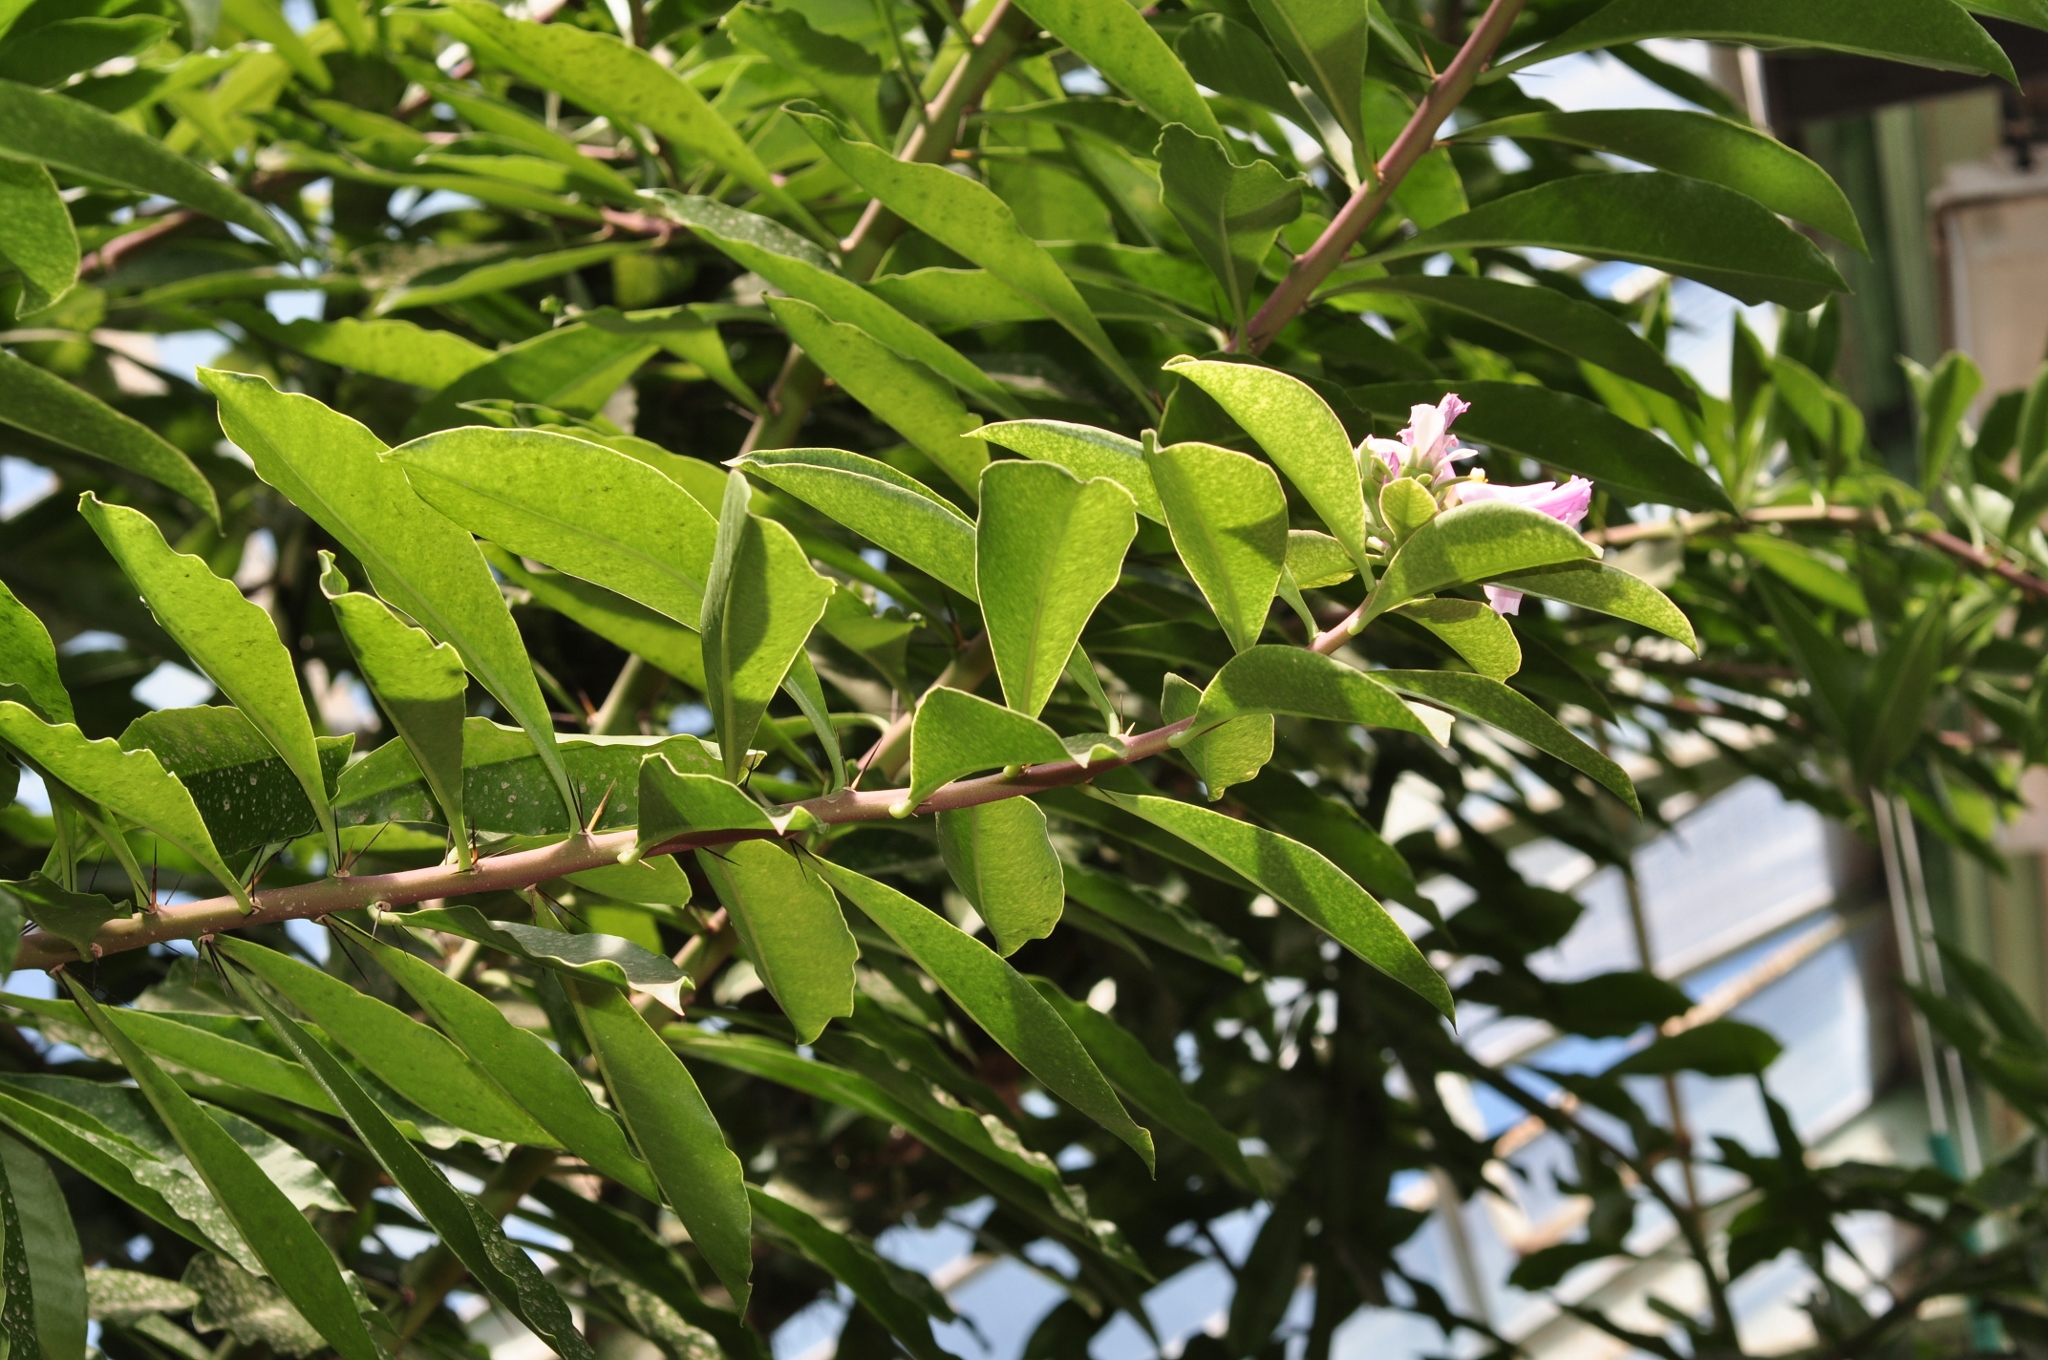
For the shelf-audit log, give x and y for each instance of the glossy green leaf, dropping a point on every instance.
(334, 469)
(1085, 451)
(1304, 881)
(1048, 547)
(955, 733)
(674, 1130)
(232, 640)
(247, 795)
(624, 623)
(1305, 684)
(1687, 227)
(1005, 867)
(760, 603)
(1490, 701)
(413, 1059)
(1700, 146)
(28, 662)
(967, 217)
(1231, 213)
(573, 368)
(1231, 58)
(1606, 590)
(50, 408)
(1923, 32)
(1116, 40)
(1472, 630)
(71, 135)
(398, 351)
(1719, 1048)
(1325, 44)
(890, 509)
(1546, 316)
(996, 997)
(900, 392)
(1298, 431)
(48, 1243)
(1228, 517)
(292, 1253)
(872, 1280)
(791, 927)
(133, 784)
(36, 236)
(1226, 754)
(592, 957)
(1470, 543)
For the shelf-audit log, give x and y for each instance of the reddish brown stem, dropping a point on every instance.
(104, 259)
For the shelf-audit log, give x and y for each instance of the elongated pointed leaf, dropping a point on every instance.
(955, 733)
(1490, 701)
(674, 803)
(334, 469)
(292, 1253)
(1005, 867)
(1688, 227)
(872, 1279)
(1228, 517)
(845, 71)
(792, 928)
(1298, 431)
(891, 509)
(1607, 590)
(1470, 543)
(1325, 43)
(998, 998)
(573, 368)
(28, 662)
(1233, 59)
(50, 408)
(1047, 549)
(577, 506)
(49, 1243)
(1223, 755)
(1120, 44)
(1304, 881)
(1296, 681)
(592, 957)
(1473, 631)
(388, 348)
(1085, 451)
(1232, 213)
(628, 625)
(246, 793)
(36, 236)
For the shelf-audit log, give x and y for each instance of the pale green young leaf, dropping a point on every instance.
(996, 997)
(1048, 547)
(46, 406)
(955, 733)
(573, 368)
(1231, 213)
(791, 927)
(28, 661)
(890, 509)
(291, 1252)
(133, 784)
(49, 1245)
(968, 217)
(266, 22)
(1491, 702)
(577, 506)
(1472, 630)
(1298, 431)
(899, 392)
(1115, 39)
(1606, 590)
(418, 682)
(761, 601)
(333, 469)
(1304, 881)
(1316, 560)
(1226, 754)
(626, 624)
(674, 803)
(591, 957)
(1470, 543)
(1325, 43)
(872, 1280)
(675, 1131)
(1085, 451)
(389, 348)
(1305, 684)
(248, 796)
(1228, 518)
(36, 236)
(232, 640)
(1000, 859)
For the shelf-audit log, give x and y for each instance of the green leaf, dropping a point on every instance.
(1231, 58)
(1546, 316)
(684, 332)
(413, 1059)
(133, 784)
(248, 796)
(674, 803)
(70, 135)
(1303, 881)
(890, 509)
(1298, 431)
(1688, 227)
(1333, 828)
(1471, 543)
(1699, 146)
(872, 1280)
(674, 1130)
(1231, 213)
(1048, 547)
(28, 662)
(1228, 518)
(1473, 631)
(1085, 451)
(36, 236)
(627, 625)
(1606, 590)
(1942, 399)
(50, 408)
(1922, 32)
(1147, 1084)
(75, 917)
(968, 217)
(500, 275)
(1490, 701)
(623, 83)
(1305, 684)
(1117, 121)
(996, 997)
(1892, 710)
(955, 733)
(1115, 39)
(18, 1313)
(791, 927)
(899, 392)
(845, 71)
(805, 272)
(52, 52)
(1800, 567)
(48, 1242)
(1005, 867)
(1118, 900)
(232, 640)
(468, 1230)
(1718, 1048)
(1325, 44)
(333, 469)
(1227, 754)
(292, 1253)
(573, 368)
(395, 350)
(590, 957)
(577, 506)
(760, 603)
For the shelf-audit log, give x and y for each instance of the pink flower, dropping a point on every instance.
(1566, 504)
(1427, 441)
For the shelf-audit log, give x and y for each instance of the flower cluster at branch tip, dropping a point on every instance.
(1567, 504)
(1427, 445)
